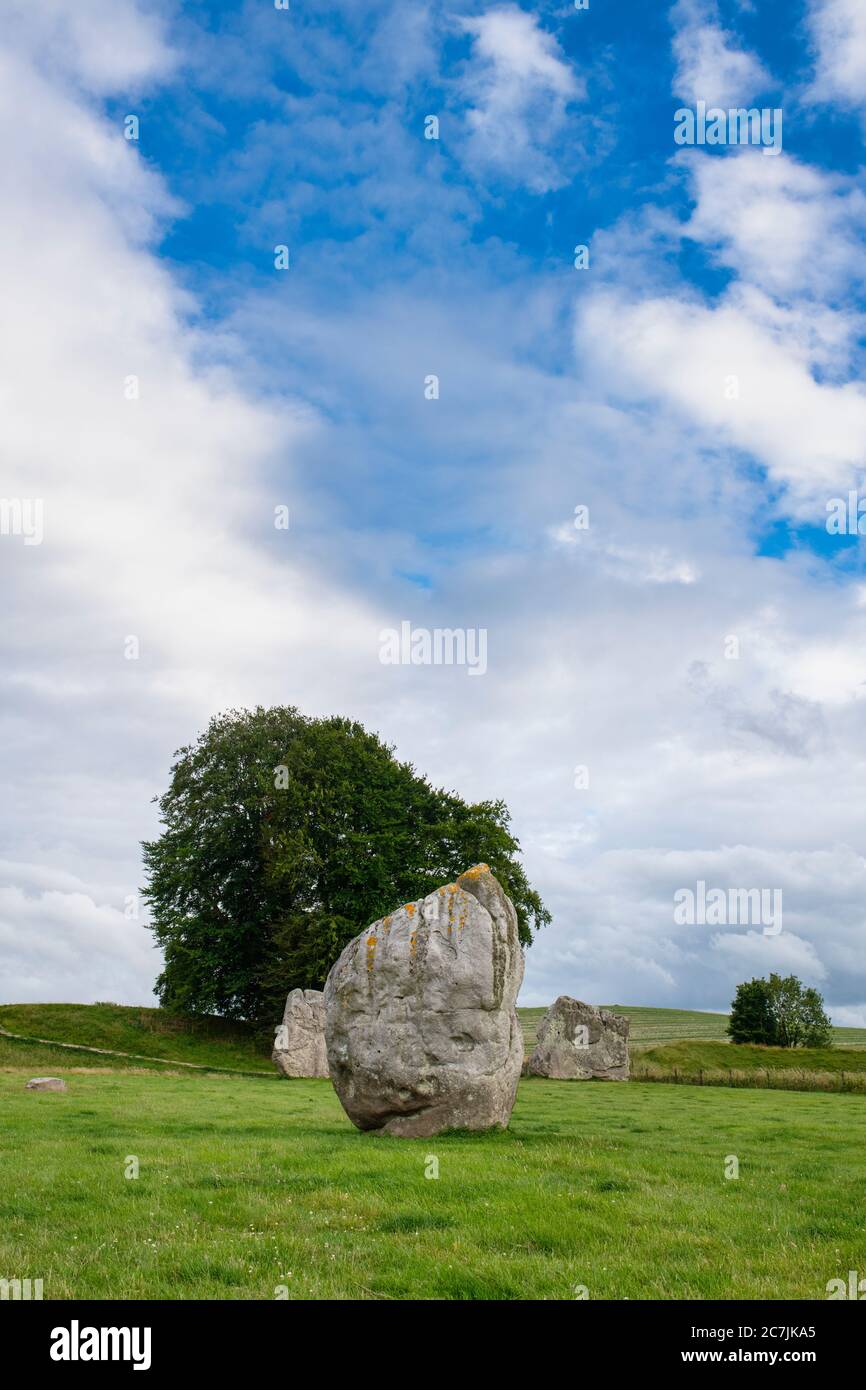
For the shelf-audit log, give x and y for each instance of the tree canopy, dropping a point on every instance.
(284, 836)
(779, 1012)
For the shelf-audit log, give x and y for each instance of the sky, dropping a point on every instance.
(621, 473)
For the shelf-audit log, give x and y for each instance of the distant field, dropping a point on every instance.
(247, 1185)
(672, 1025)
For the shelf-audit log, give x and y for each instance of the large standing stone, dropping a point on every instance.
(420, 1022)
(299, 1047)
(577, 1042)
(46, 1083)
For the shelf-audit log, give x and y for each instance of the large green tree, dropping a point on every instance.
(779, 1012)
(285, 836)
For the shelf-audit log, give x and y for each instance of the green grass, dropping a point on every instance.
(669, 1025)
(209, 1042)
(46, 1061)
(723, 1064)
(249, 1184)
(648, 1025)
(689, 1058)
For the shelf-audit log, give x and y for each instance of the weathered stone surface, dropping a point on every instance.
(46, 1083)
(299, 1047)
(420, 1023)
(577, 1042)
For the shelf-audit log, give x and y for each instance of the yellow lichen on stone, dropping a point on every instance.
(371, 950)
(413, 941)
(386, 924)
(476, 871)
(410, 909)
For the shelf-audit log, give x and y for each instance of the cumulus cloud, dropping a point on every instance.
(155, 474)
(518, 86)
(741, 368)
(710, 65)
(838, 29)
(100, 45)
(785, 226)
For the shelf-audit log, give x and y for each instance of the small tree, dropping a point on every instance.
(798, 1014)
(779, 1012)
(751, 1019)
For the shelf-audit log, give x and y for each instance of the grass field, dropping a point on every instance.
(672, 1025)
(647, 1025)
(247, 1184)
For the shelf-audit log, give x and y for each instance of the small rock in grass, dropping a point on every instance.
(46, 1083)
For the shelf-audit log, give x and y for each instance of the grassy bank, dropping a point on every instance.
(149, 1033)
(722, 1064)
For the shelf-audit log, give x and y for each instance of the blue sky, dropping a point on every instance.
(609, 387)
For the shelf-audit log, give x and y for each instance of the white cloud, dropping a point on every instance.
(809, 435)
(103, 45)
(838, 29)
(59, 942)
(710, 66)
(639, 564)
(518, 86)
(159, 523)
(783, 225)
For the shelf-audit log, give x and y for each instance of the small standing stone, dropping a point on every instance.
(577, 1042)
(299, 1047)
